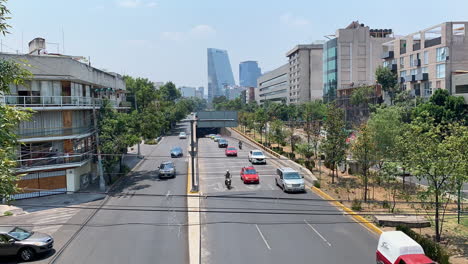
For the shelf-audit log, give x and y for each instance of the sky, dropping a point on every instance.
(166, 40)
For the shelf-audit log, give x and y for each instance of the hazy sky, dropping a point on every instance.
(166, 40)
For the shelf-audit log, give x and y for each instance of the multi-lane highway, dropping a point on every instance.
(261, 224)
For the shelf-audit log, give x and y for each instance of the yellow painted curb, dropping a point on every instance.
(356, 216)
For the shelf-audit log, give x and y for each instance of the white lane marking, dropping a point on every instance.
(328, 243)
(222, 177)
(264, 240)
(167, 194)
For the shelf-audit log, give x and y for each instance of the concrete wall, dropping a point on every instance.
(316, 74)
(460, 79)
(64, 68)
(73, 176)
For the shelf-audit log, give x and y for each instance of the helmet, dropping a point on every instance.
(227, 170)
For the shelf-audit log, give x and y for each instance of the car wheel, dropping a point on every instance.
(26, 254)
(276, 181)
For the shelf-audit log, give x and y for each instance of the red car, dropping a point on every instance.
(249, 175)
(231, 151)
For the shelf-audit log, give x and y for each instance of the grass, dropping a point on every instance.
(150, 142)
(7, 213)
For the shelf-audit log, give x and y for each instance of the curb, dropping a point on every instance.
(361, 220)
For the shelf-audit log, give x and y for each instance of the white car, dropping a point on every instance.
(182, 135)
(256, 157)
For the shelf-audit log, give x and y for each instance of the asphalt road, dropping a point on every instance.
(145, 236)
(254, 230)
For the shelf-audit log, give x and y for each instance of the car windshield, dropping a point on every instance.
(257, 153)
(250, 171)
(182, 133)
(20, 234)
(176, 149)
(231, 148)
(292, 175)
(166, 166)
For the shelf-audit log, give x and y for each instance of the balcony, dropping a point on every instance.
(416, 46)
(432, 42)
(388, 55)
(52, 134)
(417, 62)
(402, 79)
(392, 67)
(422, 77)
(411, 78)
(53, 102)
(52, 162)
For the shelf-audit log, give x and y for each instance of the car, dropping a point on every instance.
(23, 243)
(222, 143)
(182, 135)
(217, 138)
(249, 175)
(231, 151)
(211, 136)
(256, 157)
(289, 180)
(176, 152)
(167, 169)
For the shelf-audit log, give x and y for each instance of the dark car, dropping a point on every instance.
(23, 243)
(167, 169)
(176, 152)
(222, 143)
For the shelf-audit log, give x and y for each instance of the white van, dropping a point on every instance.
(289, 180)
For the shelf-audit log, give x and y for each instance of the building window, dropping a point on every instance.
(459, 89)
(403, 74)
(385, 64)
(427, 89)
(402, 62)
(411, 60)
(414, 71)
(442, 54)
(438, 84)
(440, 71)
(426, 57)
(424, 69)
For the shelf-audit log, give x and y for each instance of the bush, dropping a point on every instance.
(310, 164)
(431, 248)
(385, 204)
(356, 205)
(317, 184)
(7, 213)
(150, 142)
(300, 161)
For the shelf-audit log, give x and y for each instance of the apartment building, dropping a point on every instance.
(305, 73)
(430, 58)
(273, 86)
(351, 56)
(58, 143)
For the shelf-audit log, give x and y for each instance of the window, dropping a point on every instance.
(440, 71)
(427, 89)
(461, 89)
(411, 60)
(402, 62)
(414, 71)
(442, 54)
(424, 69)
(385, 64)
(438, 84)
(403, 74)
(426, 57)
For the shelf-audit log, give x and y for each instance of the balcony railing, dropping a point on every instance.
(54, 160)
(53, 132)
(53, 101)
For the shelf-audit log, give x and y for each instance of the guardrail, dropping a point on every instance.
(52, 101)
(53, 160)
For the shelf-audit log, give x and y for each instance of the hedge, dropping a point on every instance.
(431, 248)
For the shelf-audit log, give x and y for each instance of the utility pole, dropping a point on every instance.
(102, 183)
(192, 154)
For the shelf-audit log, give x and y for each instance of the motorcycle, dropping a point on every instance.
(240, 145)
(228, 183)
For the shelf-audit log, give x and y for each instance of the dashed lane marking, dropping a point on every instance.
(264, 240)
(320, 235)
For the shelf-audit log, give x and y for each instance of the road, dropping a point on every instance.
(311, 231)
(145, 236)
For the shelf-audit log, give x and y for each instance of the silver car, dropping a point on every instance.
(23, 243)
(167, 169)
(289, 180)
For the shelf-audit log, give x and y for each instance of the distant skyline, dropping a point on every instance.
(166, 40)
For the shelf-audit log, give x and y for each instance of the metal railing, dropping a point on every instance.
(51, 101)
(53, 132)
(54, 160)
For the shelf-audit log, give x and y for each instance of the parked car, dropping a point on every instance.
(395, 247)
(222, 143)
(176, 152)
(256, 157)
(249, 175)
(231, 151)
(182, 135)
(217, 138)
(167, 169)
(289, 180)
(23, 243)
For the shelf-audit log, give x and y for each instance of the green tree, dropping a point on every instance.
(443, 108)
(142, 92)
(169, 93)
(388, 80)
(4, 12)
(307, 151)
(334, 146)
(261, 118)
(363, 150)
(277, 134)
(363, 96)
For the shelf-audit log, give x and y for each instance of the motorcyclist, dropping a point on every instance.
(227, 175)
(240, 144)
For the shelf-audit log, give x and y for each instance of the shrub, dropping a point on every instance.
(7, 213)
(150, 141)
(431, 248)
(317, 184)
(385, 204)
(356, 205)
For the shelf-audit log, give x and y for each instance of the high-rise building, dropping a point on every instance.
(187, 91)
(249, 73)
(273, 86)
(200, 92)
(219, 73)
(351, 58)
(305, 73)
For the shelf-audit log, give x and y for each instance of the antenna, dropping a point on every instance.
(63, 41)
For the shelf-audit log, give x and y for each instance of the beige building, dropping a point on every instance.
(426, 60)
(273, 86)
(305, 73)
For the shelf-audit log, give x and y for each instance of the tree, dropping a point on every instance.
(4, 26)
(334, 146)
(443, 108)
(363, 150)
(169, 93)
(388, 80)
(142, 92)
(277, 134)
(307, 151)
(261, 119)
(363, 95)
(434, 156)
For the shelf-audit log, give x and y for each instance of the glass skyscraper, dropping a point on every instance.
(330, 59)
(248, 73)
(219, 73)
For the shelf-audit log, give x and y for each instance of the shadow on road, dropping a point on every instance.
(38, 258)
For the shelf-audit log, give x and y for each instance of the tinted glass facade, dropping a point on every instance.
(330, 73)
(219, 73)
(248, 73)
